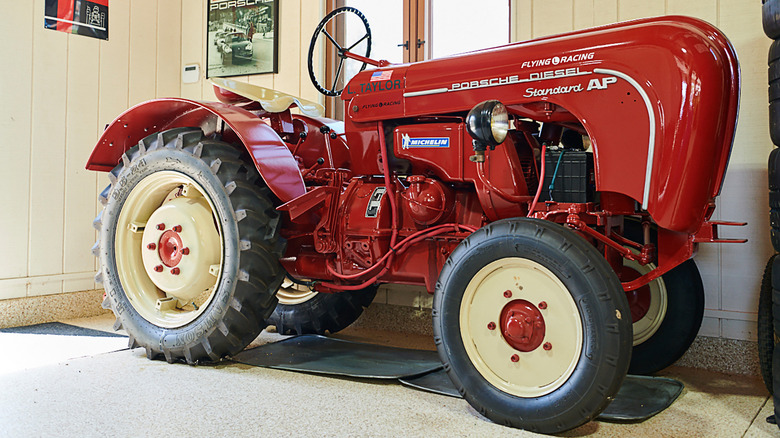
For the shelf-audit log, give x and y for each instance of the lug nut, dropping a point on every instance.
(491, 326)
(160, 227)
(508, 294)
(185, 251)
(177, 228)
(515, 358)
(151, 246)
(547, 346)
(543, 305)
(175, 271)
(158, 268)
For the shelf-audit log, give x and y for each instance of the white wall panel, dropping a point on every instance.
(521, 23)
(605, 12)
(47, 151)
(80, 184)
(288, 80)
(710, 327)
(311, 14)
(58, 94)
(143, 50)
(744, 194)
(552, 17)
(584, 14)
(16, 48)
(169, 48)
(631, 9)
(113, 90)
(705, 9)
(192, 45)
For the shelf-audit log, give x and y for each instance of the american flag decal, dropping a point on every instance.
(381, 75)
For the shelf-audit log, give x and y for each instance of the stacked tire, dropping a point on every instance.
(769, 298)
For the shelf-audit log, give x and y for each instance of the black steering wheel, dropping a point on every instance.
(343, 51)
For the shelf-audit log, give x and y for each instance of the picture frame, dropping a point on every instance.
(242, 37)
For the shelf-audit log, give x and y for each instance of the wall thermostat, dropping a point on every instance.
(190, 74)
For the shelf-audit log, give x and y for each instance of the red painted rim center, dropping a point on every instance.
(638, 299)
(170, 247)
(522, 325)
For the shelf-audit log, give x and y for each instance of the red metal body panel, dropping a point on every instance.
(658, 98)
(270, 154)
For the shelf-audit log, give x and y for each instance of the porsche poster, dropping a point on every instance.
(242, 37)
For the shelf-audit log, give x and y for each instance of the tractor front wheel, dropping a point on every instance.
(532, 325)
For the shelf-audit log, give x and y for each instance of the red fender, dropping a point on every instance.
(272, 158)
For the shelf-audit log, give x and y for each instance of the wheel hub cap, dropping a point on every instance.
(522, 325)
(187, 245)
(170, 248)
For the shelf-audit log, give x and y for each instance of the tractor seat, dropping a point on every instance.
(272, 101)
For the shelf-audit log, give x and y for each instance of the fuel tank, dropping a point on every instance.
(658, 98)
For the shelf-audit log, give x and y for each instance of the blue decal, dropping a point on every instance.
(425, 142)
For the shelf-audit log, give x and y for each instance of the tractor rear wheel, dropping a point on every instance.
(188, 247)
(532, 325)
(666, 313)
(302, 310)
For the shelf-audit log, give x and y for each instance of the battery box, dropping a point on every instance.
(573, 182)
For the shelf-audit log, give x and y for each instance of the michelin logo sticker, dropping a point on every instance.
(425, 142)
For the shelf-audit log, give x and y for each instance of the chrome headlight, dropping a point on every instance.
(488, 122)
(248, 46)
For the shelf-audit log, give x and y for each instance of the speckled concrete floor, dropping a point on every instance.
(92, 390)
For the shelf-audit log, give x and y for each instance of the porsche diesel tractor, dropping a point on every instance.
(550, 194)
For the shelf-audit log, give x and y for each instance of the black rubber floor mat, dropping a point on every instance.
(323, 355)
(436, 381)
(639, 398)
(58, 328)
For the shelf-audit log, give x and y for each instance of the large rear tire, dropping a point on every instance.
(188, 247)
(303, 311)
(532, 325)
(666, 313)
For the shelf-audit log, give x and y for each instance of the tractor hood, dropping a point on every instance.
(658, 98)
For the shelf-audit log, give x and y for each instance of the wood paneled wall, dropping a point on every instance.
(58, 92)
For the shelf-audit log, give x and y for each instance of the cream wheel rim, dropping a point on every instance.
(291, 294)
(651, 321)
(520, 373)
(168, 249)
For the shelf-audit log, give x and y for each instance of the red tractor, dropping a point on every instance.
(550, 194)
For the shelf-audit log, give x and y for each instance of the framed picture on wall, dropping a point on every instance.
(242, 37)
